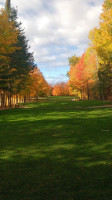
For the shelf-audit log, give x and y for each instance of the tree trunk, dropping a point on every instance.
(29, 97)
(2, 99)
(9, 100)
(16, 98)
(25, 99)
(81, 95)
(88, 92)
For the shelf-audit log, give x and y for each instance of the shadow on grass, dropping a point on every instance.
(56, 155)
(56, 175)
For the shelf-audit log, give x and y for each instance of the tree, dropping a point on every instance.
(66, 89)
(91, 73)
(73, 60)
(60, 89)
(101, 42)
(7, 5)
(82, 75)
(9, 31)
(22, 60)
(38, 85)
(76, 76)
(8, 39)
(107, 4)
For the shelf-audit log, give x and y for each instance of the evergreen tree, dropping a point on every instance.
(21, 61)
(8, 37)
(7, 5)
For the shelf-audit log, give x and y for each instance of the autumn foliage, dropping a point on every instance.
(82, 75)
(8, 36)
(90, 76)
(38, 85)
(20, 79)
(60, 89)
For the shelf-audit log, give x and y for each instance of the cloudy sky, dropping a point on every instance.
(57, 29)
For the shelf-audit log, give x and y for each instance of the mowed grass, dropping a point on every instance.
(54, 150)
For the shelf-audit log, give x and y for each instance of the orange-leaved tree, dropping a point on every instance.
(8, 38)
(76, 74)
(60, 89)
(82, 75)
(38, 86)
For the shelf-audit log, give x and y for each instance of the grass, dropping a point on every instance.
(53, 150)
(65, 103)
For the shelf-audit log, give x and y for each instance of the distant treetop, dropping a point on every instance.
(7, 4)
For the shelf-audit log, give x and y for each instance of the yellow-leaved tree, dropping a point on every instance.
(8, 36)
(101, 42)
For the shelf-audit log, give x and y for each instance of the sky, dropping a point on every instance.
(56, 30)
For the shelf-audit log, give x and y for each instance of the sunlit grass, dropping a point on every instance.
(53, 150)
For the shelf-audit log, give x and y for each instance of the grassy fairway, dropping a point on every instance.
(55, 150)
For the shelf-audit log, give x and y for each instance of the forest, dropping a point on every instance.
(90, 75)
(20, 78)
(55, 140)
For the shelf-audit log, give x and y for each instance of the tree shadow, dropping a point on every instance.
(57, 175)
(55, 155)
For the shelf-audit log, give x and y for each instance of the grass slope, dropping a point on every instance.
(56, 151)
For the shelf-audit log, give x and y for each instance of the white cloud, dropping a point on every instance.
(57, 29)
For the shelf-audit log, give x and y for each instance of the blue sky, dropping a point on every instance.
(57, 29)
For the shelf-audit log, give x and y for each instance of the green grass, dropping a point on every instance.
(54, 150)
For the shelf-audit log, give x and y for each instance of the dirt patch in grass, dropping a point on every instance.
(103, 106)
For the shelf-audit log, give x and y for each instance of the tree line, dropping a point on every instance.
(20, 78)
(90, 76)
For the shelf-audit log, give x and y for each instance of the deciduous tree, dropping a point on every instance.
(101, 42)
(8, 39)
